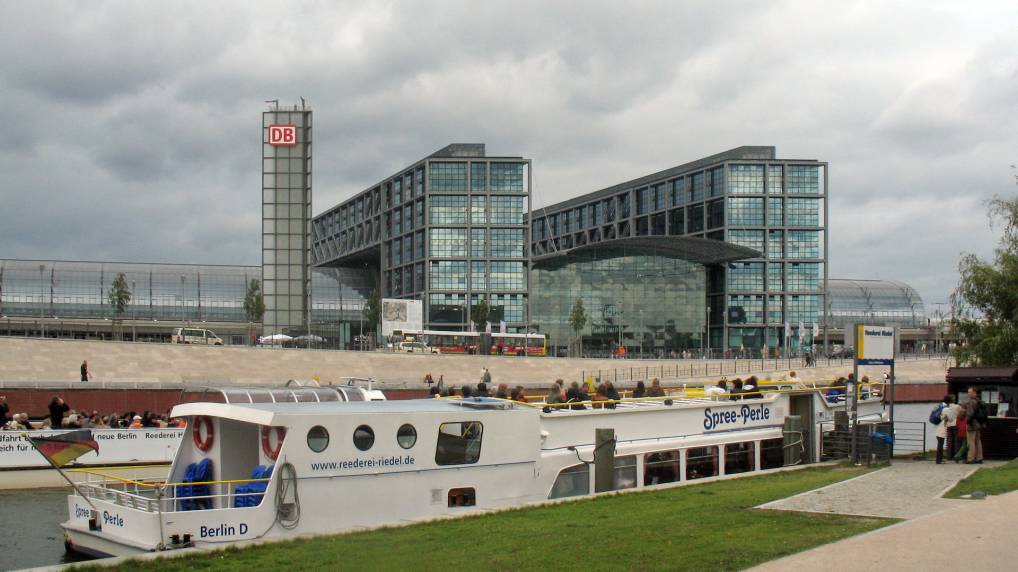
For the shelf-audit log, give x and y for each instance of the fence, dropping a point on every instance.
(873, 441)
(709, 368)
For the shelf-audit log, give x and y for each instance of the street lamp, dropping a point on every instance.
(708, 328)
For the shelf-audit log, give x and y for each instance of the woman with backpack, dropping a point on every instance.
(942, 418)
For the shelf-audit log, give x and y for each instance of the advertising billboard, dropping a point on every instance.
(401, 315)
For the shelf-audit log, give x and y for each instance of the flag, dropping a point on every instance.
(63, 449)
(802, 331)
(816, 329)
(472, 326)
(788, 330)
(487, 327)
(501, 326)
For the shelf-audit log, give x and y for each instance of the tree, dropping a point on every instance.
(480, 313)
(254, 302)
(578, 319)
(254, 305)
(373, 310)
(120, 294)
(985, 304)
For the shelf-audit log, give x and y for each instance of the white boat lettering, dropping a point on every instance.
(112, 519)
(374, 463)
(747, 413)
(222, 530)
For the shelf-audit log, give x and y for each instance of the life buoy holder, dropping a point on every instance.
(203, 444)
(267, 448)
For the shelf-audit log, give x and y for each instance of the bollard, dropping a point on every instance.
(604, 460)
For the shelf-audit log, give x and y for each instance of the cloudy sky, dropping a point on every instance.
(132, 133)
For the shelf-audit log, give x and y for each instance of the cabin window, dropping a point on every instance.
(406, 436)
(739, 458)
(772, 453)
(363, 437)
(625, 472)
(661, 467)
(572, 481)
(459, 443)
(701, 462)
(318, 439)
(465, 496)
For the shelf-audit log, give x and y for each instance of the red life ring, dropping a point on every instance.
(210, 433)
(267, 448)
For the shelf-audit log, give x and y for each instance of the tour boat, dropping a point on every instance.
(257, 466)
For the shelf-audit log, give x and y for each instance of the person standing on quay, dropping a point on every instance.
(85, 374)
(975, 428)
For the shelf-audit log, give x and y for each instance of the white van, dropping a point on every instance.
(195, 336)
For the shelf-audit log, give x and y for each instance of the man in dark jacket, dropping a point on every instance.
(57, 408)
(975, 427)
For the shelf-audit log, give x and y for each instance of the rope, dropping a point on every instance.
(287, 479)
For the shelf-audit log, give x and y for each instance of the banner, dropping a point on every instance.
(116, 446)
(404, 315)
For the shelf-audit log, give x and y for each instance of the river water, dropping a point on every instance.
(30, 533)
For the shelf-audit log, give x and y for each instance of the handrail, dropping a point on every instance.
(155, 484)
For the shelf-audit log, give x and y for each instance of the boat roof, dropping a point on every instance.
(265, 413)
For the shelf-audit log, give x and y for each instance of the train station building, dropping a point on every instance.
(727, 253)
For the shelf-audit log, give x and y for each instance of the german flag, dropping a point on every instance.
(63, 449)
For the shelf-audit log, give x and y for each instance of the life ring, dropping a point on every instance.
(210, 433)
(267, 448)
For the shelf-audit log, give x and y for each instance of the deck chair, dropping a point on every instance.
(202, 473)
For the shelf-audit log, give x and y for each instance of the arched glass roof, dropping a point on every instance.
(877, 302)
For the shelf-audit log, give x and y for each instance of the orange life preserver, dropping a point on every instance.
(210, 433)
(267, 448)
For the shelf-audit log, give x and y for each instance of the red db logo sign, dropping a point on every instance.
(283, 135)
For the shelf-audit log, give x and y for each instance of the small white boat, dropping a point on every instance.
(258, 470)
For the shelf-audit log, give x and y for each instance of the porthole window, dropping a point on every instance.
(406, 436)
(363, 437)
(318, 439)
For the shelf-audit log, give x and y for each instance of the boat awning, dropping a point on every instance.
(982, 375)
(693, 249)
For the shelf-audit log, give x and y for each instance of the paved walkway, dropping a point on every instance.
(972, 535)
(906, 489)
(931, 537)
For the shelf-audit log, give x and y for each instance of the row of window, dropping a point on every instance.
(452, 275)
(448, 308)
(458, 443)
(451, 177)
(676, 465)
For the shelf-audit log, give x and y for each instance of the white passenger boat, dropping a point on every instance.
(259, 469)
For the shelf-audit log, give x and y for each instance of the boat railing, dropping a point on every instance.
(157, 495)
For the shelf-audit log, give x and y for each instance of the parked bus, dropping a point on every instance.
(467, 342)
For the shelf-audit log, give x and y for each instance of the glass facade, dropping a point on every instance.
(654, 302)
(875, 302)
(473, 243)
(746, 196)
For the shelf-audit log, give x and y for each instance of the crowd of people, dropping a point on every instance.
(63, 416)
(959, 429)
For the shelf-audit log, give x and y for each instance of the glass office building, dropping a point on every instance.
(450, 230)
(745, 197)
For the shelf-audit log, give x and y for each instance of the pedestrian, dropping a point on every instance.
(953, 409)
(485, 376)
(57, 409)
(962, 425)
(85, 373)
(428, 379)
(942, 428)
(975, 412)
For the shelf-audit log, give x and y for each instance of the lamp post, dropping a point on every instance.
(134, 314)
(708, 329)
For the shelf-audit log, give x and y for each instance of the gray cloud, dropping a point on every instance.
(131, 132)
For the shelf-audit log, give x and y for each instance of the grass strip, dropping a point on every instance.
(699, 527)
(991, 480)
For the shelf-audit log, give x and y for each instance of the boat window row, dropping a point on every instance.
(458, 443)
(661, 467)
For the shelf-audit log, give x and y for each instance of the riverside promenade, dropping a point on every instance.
(973, 535)
(125, 364)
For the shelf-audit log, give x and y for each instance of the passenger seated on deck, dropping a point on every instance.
(752, 388)
(554, 394)
(575, 395)
(737, 389)
(720, 389)
(836, 391)
(655, 388)
(599, 396)
(467, 392)
(482, 390)
(503, 391)
(864, 387)
(640, 391)
(612, 394)
(433, 391)
(517, 394)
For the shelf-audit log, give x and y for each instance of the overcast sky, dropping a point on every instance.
(132, 133)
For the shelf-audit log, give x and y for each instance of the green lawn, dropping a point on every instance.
(992, 481)
(701, 527)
